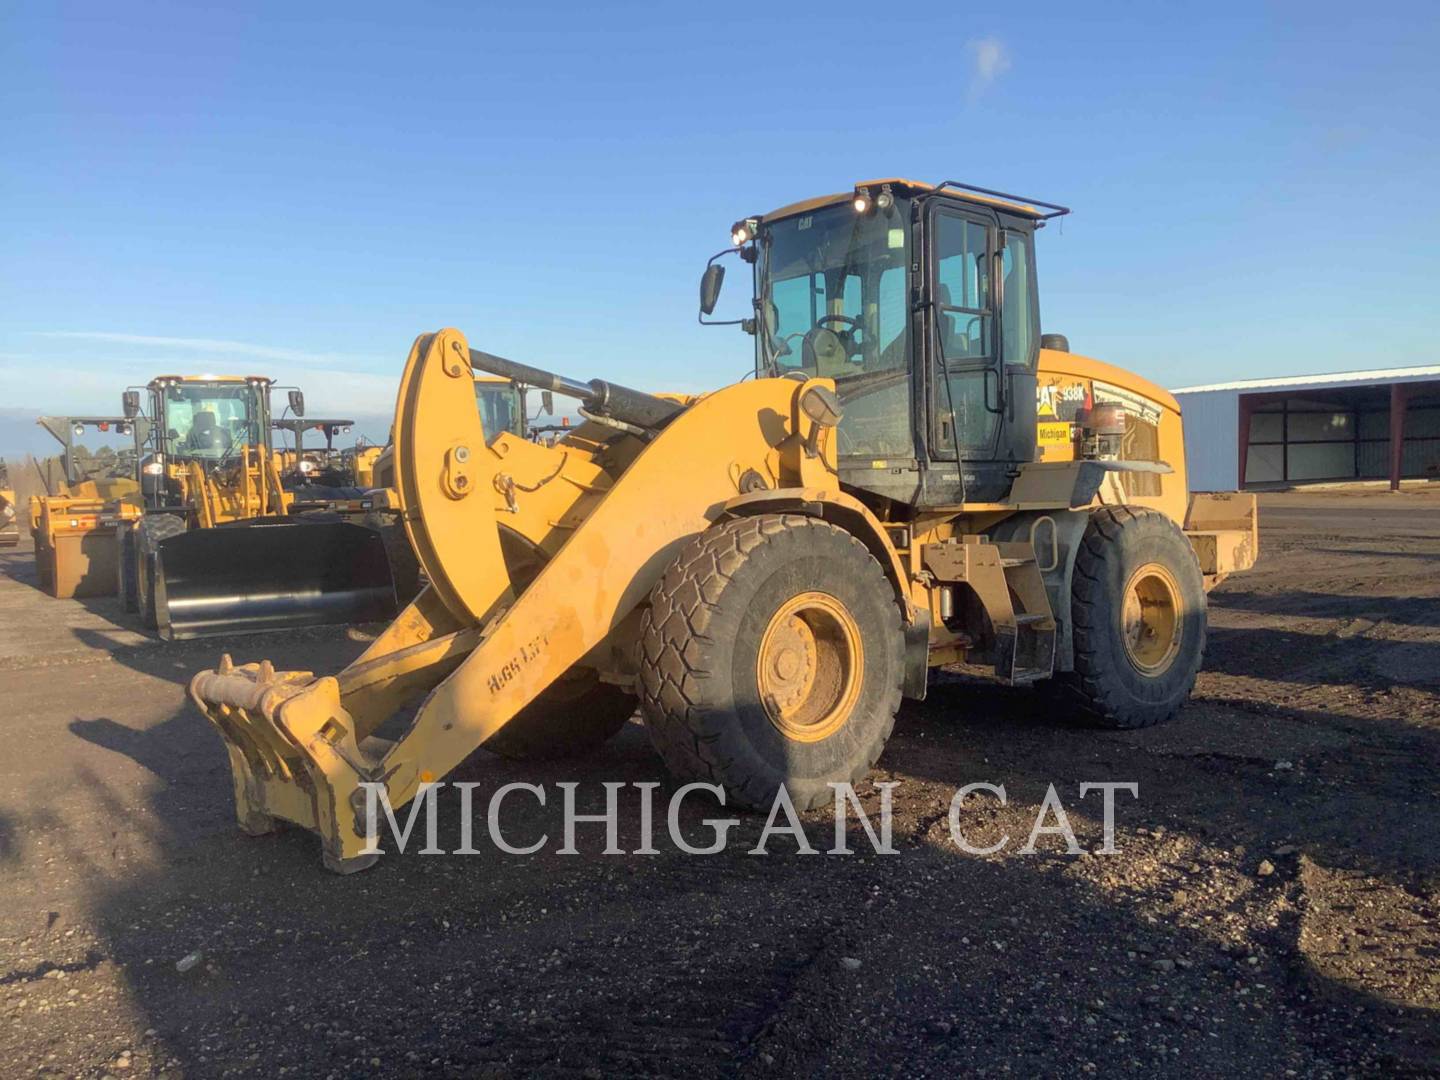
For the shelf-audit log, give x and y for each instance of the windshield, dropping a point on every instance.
(834, 274)
(500, 409)
(833, 302)
(210, 421)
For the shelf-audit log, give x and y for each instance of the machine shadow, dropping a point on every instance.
(323, 649)
(724, 964)
(1376, 553)
(1400, 610)
(1339, 658)
(18, 563)
(1350, 791)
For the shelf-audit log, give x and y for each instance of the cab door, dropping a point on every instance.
(982, 369)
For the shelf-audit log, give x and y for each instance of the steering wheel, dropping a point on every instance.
(828, 350)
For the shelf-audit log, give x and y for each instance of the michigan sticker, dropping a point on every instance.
(1052, 434)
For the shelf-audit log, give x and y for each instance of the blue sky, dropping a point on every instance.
(299, 192)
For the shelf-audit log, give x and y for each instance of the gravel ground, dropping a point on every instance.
(1273, 908)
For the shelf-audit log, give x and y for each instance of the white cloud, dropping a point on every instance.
(209, 345)
(94, 386)
(989, 59)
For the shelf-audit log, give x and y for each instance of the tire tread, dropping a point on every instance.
(674, 631)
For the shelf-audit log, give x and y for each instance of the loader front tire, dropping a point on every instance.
(573, 716)
(771, 654)
(153, 528)
(1139, 614)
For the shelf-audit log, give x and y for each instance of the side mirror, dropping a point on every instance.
(547, 402)
(131, 402)
(297, 402)
(710, 283)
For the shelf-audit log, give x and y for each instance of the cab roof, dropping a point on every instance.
(161, 379)
(1012, 204)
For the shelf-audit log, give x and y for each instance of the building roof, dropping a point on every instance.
(1378, 376)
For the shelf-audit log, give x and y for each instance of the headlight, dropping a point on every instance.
(742, 232)
(154, 468)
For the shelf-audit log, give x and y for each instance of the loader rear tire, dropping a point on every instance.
(573, 716)
(404, 566)
(152, 529)
(771, 654)
(1139, 613)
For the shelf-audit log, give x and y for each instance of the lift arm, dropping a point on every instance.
(478, 647)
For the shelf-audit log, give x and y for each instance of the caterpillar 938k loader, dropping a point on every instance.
(914, 478)
(220, 548)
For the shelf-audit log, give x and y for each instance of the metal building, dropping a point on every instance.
(1357, 425)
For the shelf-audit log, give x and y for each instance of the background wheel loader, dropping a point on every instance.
(89, 499)
(913, 479)
(319, 477)
(218, 548)
(503, 407)
(9, 515)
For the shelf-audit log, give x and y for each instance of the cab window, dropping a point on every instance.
(963, 292)
(1019, 317)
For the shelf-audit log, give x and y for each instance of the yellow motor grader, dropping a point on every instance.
(914, 478)
(221, 546)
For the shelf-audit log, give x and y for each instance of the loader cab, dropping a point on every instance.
(502, 407)
(209, 420)
(920, 302)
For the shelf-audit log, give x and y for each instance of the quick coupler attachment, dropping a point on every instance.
(293, 755)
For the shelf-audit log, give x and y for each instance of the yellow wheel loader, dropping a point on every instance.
(9, 517)
(75, 523)
(912, 479)
(502, 405)
(318, 476)
(221, 547)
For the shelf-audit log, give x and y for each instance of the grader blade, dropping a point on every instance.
(269, 574)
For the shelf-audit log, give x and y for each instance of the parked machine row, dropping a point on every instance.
(220, 519)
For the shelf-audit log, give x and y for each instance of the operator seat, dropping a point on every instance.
(205, 434)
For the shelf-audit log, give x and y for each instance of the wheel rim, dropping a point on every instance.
(810, 667)
(1150, 619)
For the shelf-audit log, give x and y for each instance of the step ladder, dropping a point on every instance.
(1008, 582)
